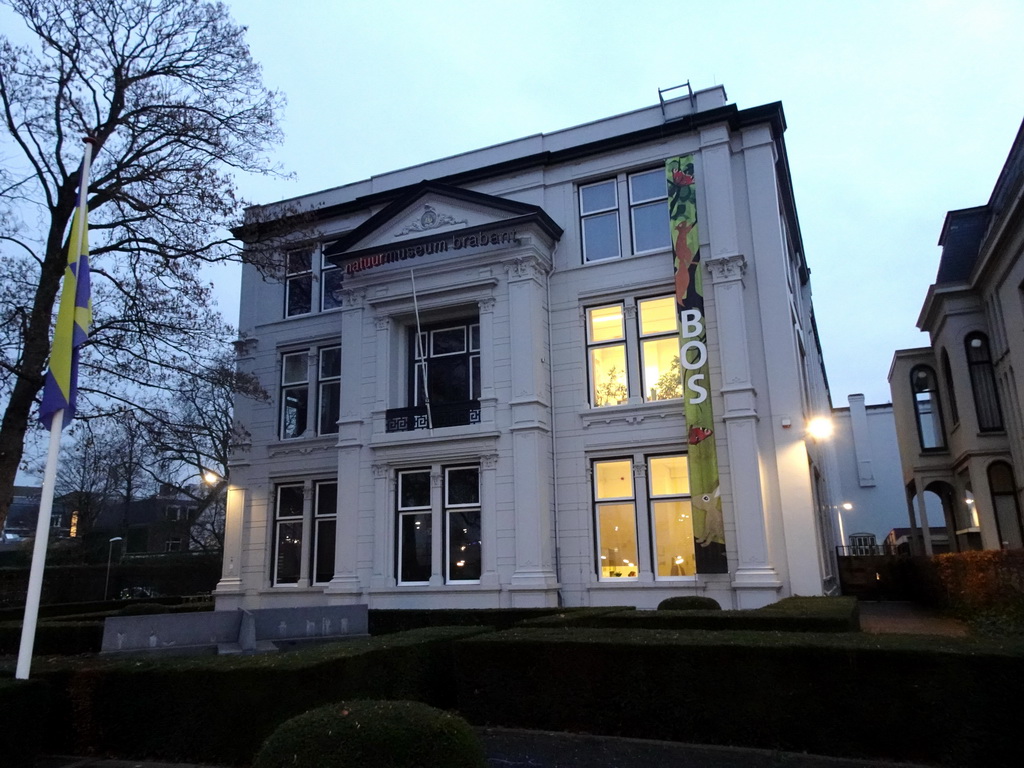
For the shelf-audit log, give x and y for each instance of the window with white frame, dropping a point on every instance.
(329, 385)
(655, 337)
(643, 520)
(298, 269)
(304, 534)
(648, 211)
(325, 527)
(331, 278)
(645, 215)
(294, 394)
(455, 511)
(172, 545)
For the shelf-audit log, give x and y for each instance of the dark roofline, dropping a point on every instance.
(736, 118)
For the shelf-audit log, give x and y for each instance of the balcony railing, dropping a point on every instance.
(446, 415)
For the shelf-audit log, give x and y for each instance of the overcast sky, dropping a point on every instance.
(897, 113)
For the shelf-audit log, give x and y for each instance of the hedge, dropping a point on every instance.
(220, 709)
(908, 698)
(25, 706)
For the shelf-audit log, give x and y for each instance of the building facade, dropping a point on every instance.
(957, 402)
(478, 368)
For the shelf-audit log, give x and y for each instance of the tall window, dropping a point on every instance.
(615, 509)
(1007, 508)
(609, 337)
(298, 282)
(462, 518)
(599, 212)
(325, 526)
(415, 529)
(295, 525)
(446, 363)
(664, 508)
(331, 278)
(329, 374)
(648, 209)
(288, 534)
(659, 345)
(983, 383)
(926, 407)
(458, 517)
(606, 353)
(947, 374)
(294, 394)
(669, 481)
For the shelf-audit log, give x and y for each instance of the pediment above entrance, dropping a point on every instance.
(433, 216)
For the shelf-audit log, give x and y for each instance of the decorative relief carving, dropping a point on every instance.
(489, 461)
(383, 323)
(303, 451)
(436, 479)
(727, 267)
(353, 298)
(629, 310)
(245, 346)
(639, 470)
(486, 305)
(522, 268)
(431, 219)
(380, 470)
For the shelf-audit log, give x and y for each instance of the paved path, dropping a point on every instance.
(903, 618)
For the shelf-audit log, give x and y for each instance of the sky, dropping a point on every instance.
(897, 112)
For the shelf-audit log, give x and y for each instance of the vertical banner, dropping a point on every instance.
(702, 457)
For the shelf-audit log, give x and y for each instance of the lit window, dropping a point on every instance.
(616, 519)
(672, 516)
(659, 340)
(606, 343)
(609, 339)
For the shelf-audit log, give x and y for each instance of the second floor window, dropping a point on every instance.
(298, 269)
(294, 394)
(983, 383)
(926, 408)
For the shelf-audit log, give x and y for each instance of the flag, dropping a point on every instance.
(73, 320)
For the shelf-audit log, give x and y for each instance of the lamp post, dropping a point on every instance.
(110, 552)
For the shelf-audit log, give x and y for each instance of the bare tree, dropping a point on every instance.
(175, 105)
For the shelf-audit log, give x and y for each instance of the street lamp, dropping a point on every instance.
(110, 552)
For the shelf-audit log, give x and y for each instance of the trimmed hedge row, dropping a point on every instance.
(899, 698)
(388, 621)
(220, 709)
(25, 704)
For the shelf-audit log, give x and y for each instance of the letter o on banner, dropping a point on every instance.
(702, 354)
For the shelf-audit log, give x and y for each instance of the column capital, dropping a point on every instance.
(727, 268)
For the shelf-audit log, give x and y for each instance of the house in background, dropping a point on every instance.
(478, 381)
(957, 402)
(870, 501)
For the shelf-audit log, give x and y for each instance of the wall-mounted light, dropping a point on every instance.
(820, 428)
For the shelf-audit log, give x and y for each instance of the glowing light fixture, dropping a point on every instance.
(820, 428)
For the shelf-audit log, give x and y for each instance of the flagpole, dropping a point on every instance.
(35, 579)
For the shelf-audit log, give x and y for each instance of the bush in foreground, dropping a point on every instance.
(689, 603)
(373, 734)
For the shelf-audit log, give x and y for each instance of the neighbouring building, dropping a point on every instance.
(870, 498)
(957, 402)
(479, 368)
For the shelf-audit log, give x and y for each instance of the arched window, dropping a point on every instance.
(947, 373)
(983, 383)
(926, 408)
(1006, 506)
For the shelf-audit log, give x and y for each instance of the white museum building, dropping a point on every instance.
(479, 371)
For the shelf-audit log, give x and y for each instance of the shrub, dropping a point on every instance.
(373, 734)
(689, 603)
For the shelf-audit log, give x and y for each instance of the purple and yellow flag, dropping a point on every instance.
(702, 455)
(74, 317)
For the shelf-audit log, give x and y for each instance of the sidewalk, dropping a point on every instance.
(510, 748)
(904, 618)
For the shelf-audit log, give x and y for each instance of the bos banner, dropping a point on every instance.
(702, 457)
